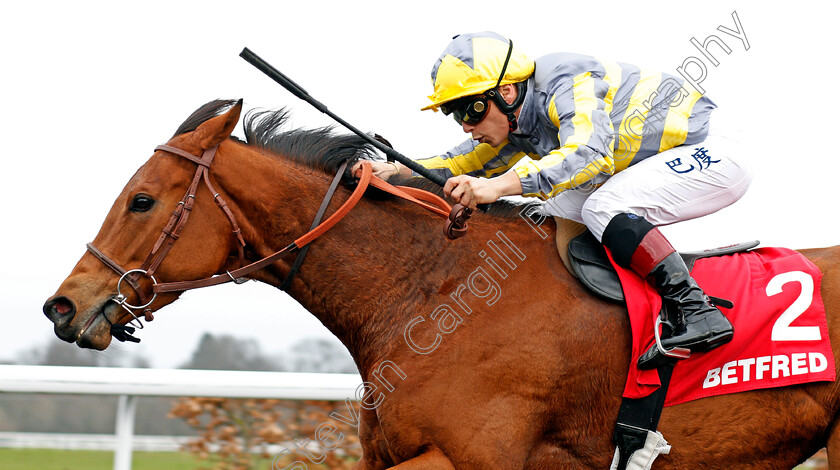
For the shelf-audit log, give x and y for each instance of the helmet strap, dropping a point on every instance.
(497, 98)
(509, 108)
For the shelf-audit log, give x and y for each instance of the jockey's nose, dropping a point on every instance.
(60, 310)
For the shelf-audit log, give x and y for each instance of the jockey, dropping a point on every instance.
(619, 149)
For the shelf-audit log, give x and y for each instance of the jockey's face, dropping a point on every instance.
(493, 129)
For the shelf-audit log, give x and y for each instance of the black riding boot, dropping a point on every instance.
(695, 323)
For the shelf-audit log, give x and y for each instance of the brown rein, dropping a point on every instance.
(171, 231)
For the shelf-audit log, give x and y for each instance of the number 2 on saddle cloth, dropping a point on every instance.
(772, 297)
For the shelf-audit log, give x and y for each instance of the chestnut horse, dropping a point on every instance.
(481, 352)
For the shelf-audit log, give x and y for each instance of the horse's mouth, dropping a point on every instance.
(81, 336)
(96, 333)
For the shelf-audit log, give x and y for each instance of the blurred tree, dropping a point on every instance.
(226, 352)
(59, 353)
(321, 355)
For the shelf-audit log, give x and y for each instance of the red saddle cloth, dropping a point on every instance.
(780, 339)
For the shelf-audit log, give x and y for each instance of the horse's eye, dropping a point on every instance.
(141, 203)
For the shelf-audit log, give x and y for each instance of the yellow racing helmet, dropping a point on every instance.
(474, 63)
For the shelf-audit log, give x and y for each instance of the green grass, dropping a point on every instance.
(48, 459)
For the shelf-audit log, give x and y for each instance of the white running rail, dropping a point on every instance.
(129, 384)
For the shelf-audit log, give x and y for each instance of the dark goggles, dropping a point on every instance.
(470, 109)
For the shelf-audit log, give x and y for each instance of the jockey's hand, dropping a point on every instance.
(383, 170)
(470, 191)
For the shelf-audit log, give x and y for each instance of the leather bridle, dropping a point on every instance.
(169, 235)
(172, 230)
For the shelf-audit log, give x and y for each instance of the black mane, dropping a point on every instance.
(318, 148)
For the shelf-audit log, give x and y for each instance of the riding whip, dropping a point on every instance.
(298, 91)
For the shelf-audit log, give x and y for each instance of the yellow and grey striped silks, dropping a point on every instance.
(583, 120)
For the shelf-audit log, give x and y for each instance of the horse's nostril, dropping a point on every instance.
(59, 307)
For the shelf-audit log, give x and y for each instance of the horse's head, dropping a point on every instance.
(133, 244)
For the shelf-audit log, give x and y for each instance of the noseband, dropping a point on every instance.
(171, 231)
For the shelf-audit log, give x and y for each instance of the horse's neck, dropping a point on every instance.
(361, 279)
(370, 275)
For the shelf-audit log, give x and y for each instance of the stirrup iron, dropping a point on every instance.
(675, 352)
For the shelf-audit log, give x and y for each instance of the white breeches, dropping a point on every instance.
(679, 184)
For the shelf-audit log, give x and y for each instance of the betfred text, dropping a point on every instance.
(765, 368)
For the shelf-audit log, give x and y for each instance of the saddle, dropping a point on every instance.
(586, 259)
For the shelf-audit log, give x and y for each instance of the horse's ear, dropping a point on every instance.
(213, 131)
